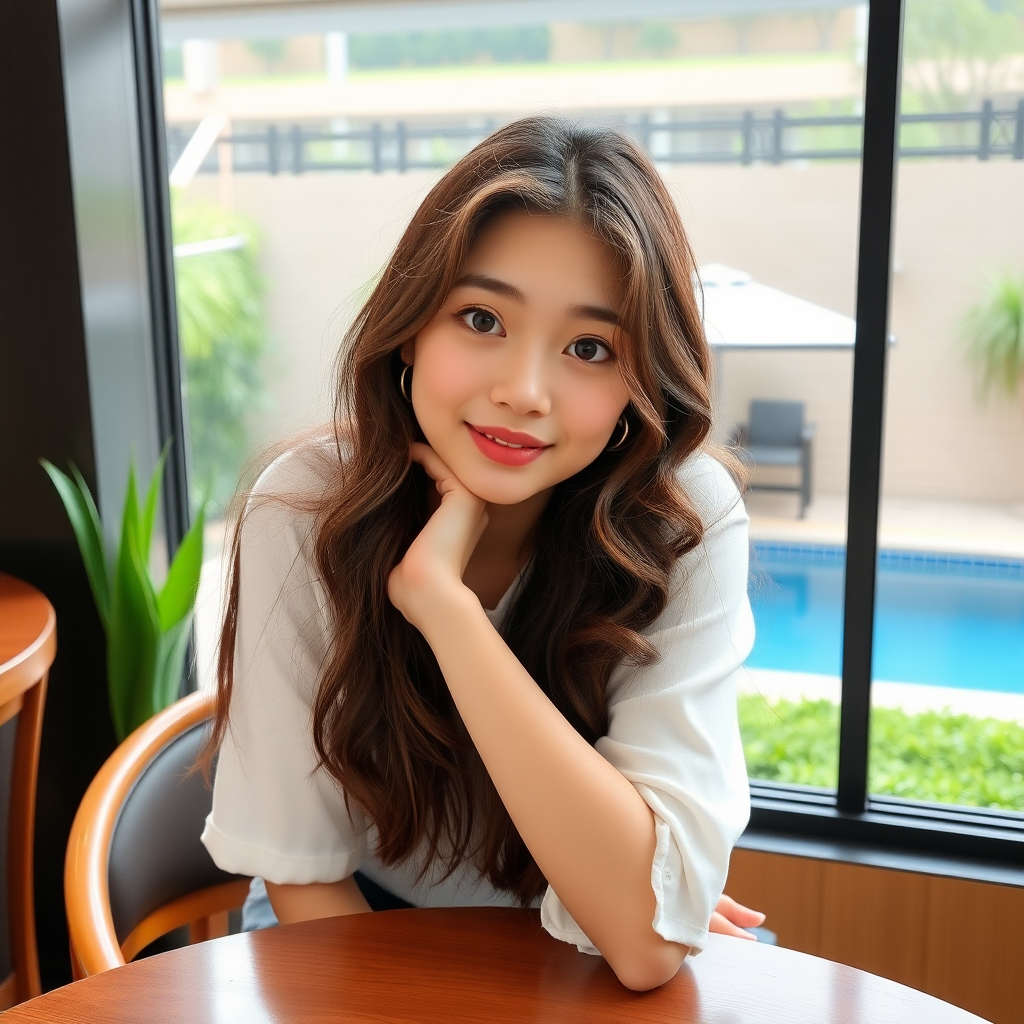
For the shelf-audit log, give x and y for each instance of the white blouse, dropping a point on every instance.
(672, 729)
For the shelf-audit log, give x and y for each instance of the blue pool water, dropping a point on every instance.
(940, 620)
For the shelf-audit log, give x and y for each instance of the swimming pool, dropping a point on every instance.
(941, 620)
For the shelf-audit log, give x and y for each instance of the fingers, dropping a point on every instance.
(429, 460)
(738, 914)
(723, 926)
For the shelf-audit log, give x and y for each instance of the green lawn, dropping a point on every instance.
(933, 756)
(533, 68)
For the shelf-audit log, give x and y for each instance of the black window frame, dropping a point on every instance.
(849, 817)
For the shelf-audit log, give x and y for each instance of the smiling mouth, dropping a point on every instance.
(508, 447)
(507, 444)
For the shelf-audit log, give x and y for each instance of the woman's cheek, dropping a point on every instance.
(591, 420)
(443, 379)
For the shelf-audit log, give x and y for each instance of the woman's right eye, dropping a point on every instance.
(481, 321)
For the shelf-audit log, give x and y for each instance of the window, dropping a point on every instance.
(300, 140)
(947, 721)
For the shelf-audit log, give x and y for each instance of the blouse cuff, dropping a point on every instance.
(666, 878)
(557, 922)
(241, 858)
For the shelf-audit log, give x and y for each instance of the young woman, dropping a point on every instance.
(481, 644)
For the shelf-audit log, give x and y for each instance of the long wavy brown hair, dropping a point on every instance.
(384, 724)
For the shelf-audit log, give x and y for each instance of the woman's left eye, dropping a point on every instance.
(481, 321)
(590, 350)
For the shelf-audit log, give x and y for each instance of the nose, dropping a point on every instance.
(523, 383)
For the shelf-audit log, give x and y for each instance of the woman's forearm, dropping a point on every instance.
(590, 832)
(294, 903)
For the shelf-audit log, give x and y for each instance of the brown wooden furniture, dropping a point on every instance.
(151, 769)
(476, 964)
(957, 939)
(28, 643)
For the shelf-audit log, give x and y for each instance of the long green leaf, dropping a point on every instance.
(134, 627)
(170, 663)
(178, 596)
(152, 499)
(85, 522)
(97, 525)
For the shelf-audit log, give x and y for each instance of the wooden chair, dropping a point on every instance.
(135, 867)
(28, 643)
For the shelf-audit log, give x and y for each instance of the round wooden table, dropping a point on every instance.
(468, 965)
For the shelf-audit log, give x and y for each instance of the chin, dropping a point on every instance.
(502, 492)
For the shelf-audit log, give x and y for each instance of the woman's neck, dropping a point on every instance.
(504, 547)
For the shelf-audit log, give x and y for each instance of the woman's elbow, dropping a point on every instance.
(642, 970)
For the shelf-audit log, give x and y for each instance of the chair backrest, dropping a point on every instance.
(28, 642)
(135, 867)
(8, 735)
(776, 424)
(155, 852)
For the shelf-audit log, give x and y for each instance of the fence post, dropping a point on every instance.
(400, 142)
(748, 137)
(1018, 133)
(296, 149)
(985, 134)
(777, 129)
(375, 147)
(272, 148)
(645, 132)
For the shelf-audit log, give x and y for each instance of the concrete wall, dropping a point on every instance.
(791, 227)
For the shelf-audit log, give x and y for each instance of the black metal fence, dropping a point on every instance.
(749, 138)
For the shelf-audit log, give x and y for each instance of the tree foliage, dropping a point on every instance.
(222, 329)
(993, 330)
(954, 50)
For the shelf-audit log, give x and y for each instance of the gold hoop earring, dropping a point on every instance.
(625, 433)
(402, 382)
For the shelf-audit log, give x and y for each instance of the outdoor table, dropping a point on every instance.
(468, 965)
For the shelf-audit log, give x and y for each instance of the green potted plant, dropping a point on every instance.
(147, 628)
(993, 330)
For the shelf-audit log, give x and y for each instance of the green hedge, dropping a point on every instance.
(933, 756)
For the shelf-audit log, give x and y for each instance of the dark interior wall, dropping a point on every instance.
(44, 411)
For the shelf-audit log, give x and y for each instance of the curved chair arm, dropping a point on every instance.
(86, 887)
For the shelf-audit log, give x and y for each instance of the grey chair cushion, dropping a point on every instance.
(765, 455)
(155, 853)
(775, 424)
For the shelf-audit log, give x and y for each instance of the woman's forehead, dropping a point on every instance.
(546, 256)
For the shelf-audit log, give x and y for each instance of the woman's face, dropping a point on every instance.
(517, 381)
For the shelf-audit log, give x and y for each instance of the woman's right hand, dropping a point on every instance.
(438, 556)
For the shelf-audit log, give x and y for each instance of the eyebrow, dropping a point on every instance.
(578, 311)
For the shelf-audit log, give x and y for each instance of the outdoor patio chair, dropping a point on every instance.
(778, 436)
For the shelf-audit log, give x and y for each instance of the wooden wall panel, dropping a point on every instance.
(958, 940)
(875, 920)
(787, 889)
(975, 954)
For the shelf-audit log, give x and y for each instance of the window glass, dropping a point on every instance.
(300, 143)
(948, 665)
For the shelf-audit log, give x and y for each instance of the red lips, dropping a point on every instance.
(531, 448)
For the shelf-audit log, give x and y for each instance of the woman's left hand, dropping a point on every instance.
(437, 558)
(732, 918)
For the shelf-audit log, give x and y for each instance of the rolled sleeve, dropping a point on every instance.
(673, 729)
(275, 814)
